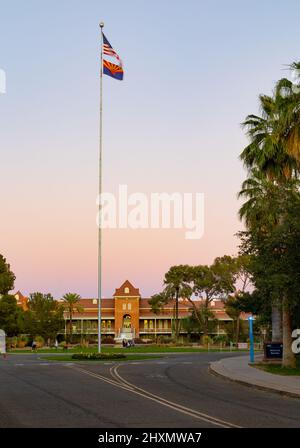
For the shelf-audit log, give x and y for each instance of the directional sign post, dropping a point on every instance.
(250, 320)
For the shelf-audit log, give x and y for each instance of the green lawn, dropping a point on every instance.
(68, 358)
(276, 369)
(138, 349)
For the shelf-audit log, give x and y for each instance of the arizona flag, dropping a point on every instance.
(110, 69)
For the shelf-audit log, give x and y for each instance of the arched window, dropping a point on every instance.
(145, 324)
(127, 321)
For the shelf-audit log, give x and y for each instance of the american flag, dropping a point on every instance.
(108, 49)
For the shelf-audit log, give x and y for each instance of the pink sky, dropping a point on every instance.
(172, 125)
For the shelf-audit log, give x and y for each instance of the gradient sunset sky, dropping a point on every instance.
(193, 71)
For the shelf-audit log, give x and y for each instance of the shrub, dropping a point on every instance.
(139, 341)
(221, 339)
(84, 343)
(12, 342)
(108, 340)
(39, 341)
(98, 356)
(22, 341)
(207, 340)
(165, 340)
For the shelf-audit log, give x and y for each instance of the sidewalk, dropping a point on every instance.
(237, 369)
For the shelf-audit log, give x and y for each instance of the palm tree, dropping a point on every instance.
(177, 285)
(72, 304)
(288, 98)
(266, 151)
(274, 152)
(264, 210)
(261, 210)
(269, 165)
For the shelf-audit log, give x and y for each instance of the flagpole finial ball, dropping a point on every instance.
(101, 24)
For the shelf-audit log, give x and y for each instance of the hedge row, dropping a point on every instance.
(104, 356)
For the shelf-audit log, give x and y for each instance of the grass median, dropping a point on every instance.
(137, 349)
(69, 358)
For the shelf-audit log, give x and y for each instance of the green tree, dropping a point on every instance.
(207, 282)
(158, 301)
(275, 263)
(7, 277)
(177, 285)
(262, 212)
(71, 301)
(44, 316)
(196, 322)
(232, 308)
(10, 315)
(211, 282)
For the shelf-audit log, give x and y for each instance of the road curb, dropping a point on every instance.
(212, 370)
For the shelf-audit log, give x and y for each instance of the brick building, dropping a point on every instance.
(128, 315)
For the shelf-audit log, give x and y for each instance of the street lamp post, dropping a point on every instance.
(250, 320)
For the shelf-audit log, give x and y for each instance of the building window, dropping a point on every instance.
(146, 324)
(129, 306)
(109, 324)
(151, 324)
(166, 324)
(126, 290)
(124, 306)
(103, 323)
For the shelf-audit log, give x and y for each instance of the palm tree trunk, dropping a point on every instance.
(176, 316)
(71, 326)
(276, 324)
(289, 358)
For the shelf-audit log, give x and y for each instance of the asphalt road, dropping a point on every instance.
(171, 392)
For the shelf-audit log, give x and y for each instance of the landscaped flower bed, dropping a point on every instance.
(98, 356)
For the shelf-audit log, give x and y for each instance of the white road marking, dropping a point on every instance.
(176, 406)
(125, 385)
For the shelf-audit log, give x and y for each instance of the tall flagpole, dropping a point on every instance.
(99, 202)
